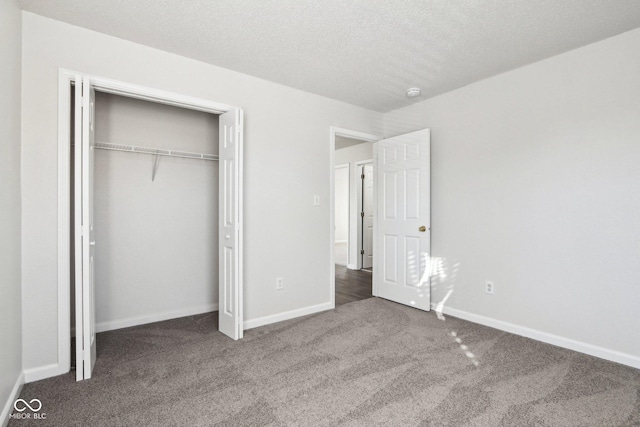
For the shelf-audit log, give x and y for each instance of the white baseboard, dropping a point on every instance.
(42, 372)
(8, 406)
(341, 241)
(579, 346)
(266, 320)
(352, 266)
(156, 317)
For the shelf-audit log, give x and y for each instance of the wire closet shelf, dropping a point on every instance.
(156, 151)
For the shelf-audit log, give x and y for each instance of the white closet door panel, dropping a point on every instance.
(77, 226)
(84, 140)
(88, 237)
(230, 312)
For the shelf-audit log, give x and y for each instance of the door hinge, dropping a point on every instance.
(362, 176)
(362, 214)
(362, 252)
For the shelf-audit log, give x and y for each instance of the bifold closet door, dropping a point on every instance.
(84, 242)
(230, 313)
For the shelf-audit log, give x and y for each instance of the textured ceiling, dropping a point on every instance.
(364, 52)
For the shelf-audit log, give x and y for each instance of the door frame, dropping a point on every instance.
(355, 218)
(65, 79)
(346, 166)
(347, 133)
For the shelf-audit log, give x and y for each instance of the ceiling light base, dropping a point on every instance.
(413, 92)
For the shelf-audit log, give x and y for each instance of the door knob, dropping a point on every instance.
(92, 243)
(422, 229)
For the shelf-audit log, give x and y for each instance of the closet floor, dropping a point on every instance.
(158, 337)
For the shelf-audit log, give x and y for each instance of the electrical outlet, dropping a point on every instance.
(279, 283)
(489, 287)
(316, 200)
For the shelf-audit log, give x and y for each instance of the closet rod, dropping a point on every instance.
(155, 151)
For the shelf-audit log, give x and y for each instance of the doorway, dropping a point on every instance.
(352, 152)
(76, 212)
(401, 217)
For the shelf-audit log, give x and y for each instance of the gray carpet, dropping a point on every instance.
(371, 362)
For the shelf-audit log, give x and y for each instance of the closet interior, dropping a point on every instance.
(155, 212)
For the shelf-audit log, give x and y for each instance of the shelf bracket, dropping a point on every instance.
(155, 167)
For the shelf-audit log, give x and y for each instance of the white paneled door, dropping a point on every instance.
(84, 242)
(367, 216)
(402, 232)
(230, 313)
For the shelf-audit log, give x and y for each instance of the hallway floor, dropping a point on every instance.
(352, 285)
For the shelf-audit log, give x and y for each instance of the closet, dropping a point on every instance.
(156, 216)
(145, 238)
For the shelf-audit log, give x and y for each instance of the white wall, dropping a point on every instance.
(351, 155)
(156, 252)
(355, 153)
(285, 235)
(342, 203)
(536, 186)
(10, 305)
